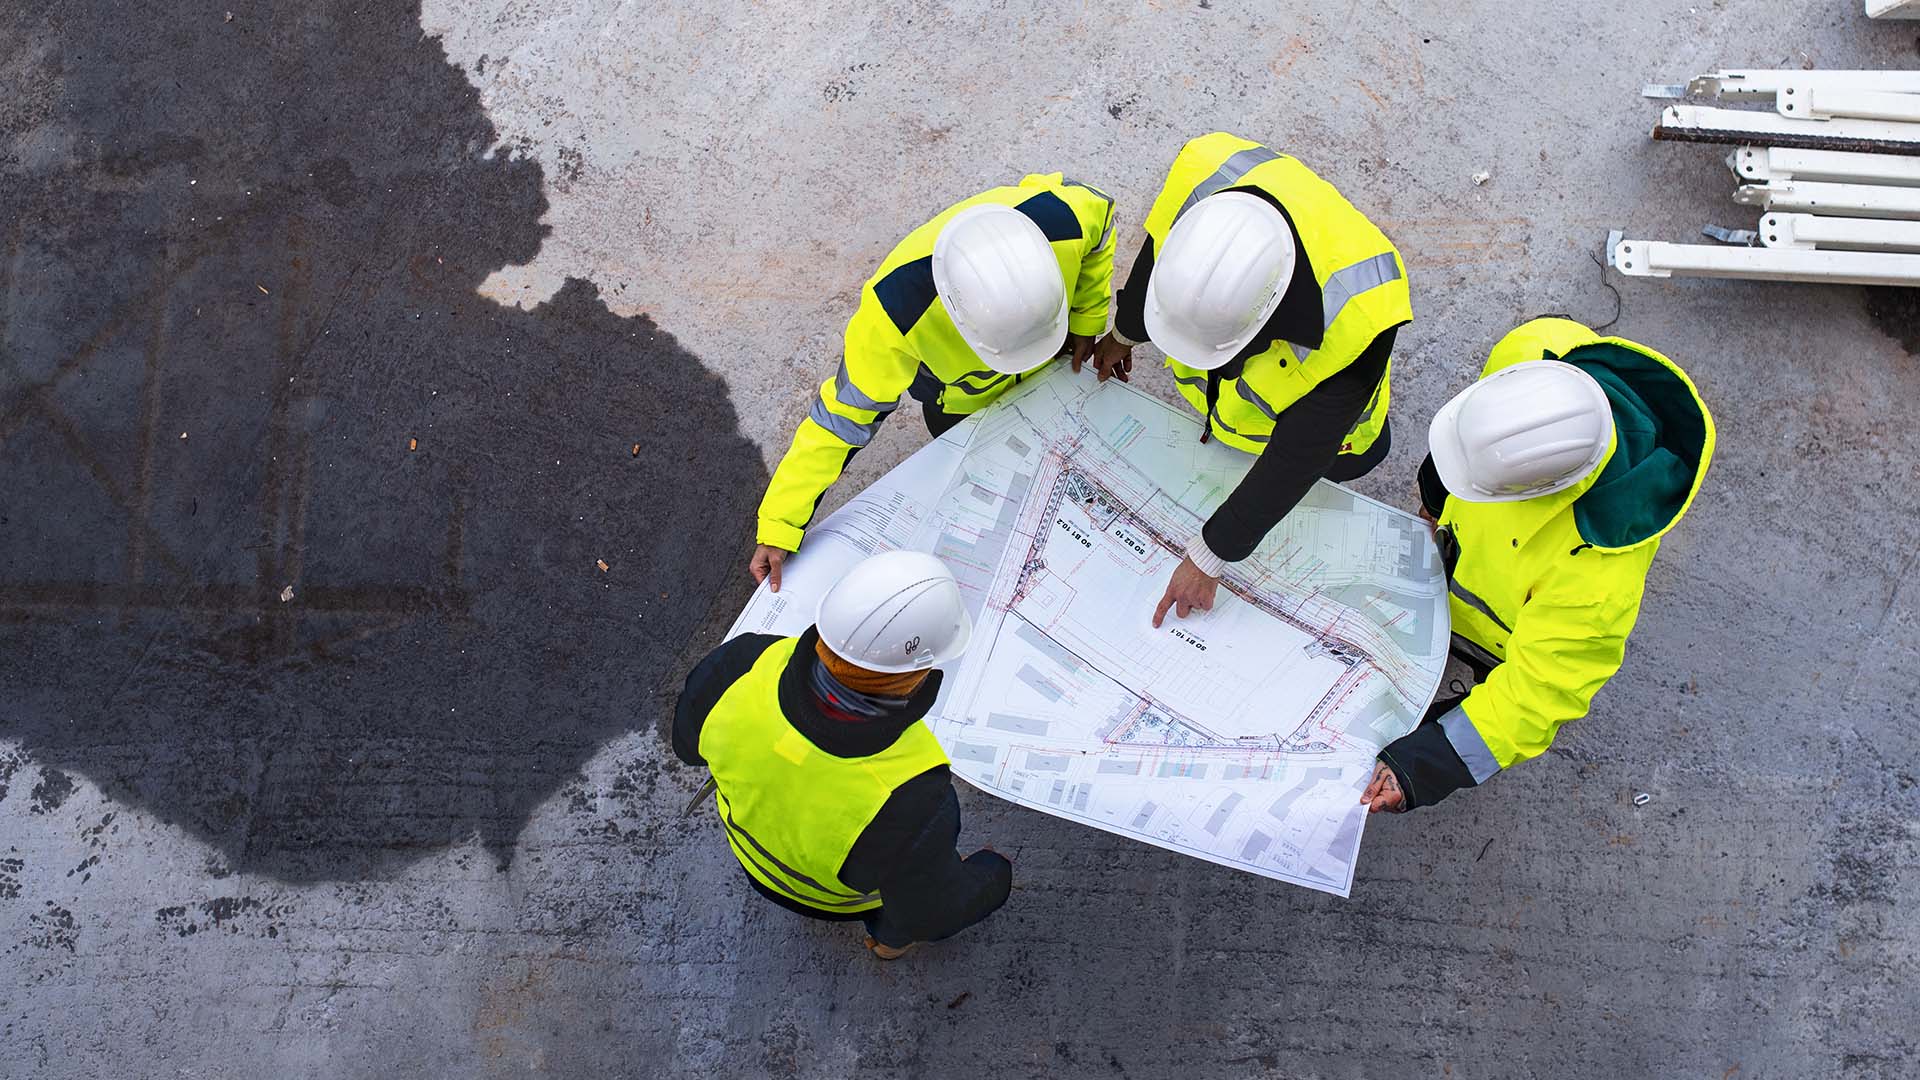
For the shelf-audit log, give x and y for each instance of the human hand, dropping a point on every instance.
(1112, 359)
(1081, 347)
(1191, 588)
(1383, 795)
(766, 564)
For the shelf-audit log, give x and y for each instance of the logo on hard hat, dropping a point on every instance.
(913, 646)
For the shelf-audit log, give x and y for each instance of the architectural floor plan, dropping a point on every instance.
(1243, 735)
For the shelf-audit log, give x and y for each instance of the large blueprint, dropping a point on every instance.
(1243, 735)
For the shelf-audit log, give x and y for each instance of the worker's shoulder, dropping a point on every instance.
(904, 288)
(913, 803)
(731, 659)
(1218, 142)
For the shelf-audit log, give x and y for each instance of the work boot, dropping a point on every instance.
(888, 952)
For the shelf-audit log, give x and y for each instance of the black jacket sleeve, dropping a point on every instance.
(1433, 493)
(1306, 438)
(705, 683)
(1130, 307)
(1426, 765)
(927, 892)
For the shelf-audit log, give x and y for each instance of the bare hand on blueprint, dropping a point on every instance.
(1384, 794)
(766, 563)
(1110, 358)
(1190, 588)
(1079, 347)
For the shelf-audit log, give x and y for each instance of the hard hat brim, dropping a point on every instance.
(1449, 457)
(1011, 361)
(923, 661)
(1193, 352)
(1449, 453)
(1026, 358)
(1184, 350)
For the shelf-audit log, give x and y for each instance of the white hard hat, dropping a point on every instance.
(1528, 430)
(1225, 265)
(996, 275)
(899, 611)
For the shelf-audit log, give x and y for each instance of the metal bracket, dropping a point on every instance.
(1743, 237)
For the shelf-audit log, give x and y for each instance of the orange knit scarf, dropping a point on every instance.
(861, 681)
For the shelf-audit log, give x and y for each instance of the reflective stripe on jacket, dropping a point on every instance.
(901, 337)
(1363, 286)
(791, 810)
(1550, 587)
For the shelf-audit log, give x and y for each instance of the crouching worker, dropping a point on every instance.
(835, 797)
(1551, 481)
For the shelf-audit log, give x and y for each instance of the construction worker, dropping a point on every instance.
(1021, 274)
(1276, 302)
(1551, 480)
(835, 797)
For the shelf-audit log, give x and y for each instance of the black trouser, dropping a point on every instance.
(939, 421)
(871, 918)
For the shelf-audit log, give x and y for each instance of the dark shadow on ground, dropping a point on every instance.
(1896, 311)
(238, 263)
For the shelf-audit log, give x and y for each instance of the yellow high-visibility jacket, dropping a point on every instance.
(1363, 288)
(792, 811)
(1547, 589)
(902, 338)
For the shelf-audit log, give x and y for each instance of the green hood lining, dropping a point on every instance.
(1661, 431)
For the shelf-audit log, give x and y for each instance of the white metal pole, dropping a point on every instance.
(1841, 200)
(1760, 164)
(1766, 82)
(1807, 232)
(1656, 259)
(1893, 9)
(1806, 101)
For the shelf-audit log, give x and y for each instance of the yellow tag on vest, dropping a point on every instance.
(793, 746)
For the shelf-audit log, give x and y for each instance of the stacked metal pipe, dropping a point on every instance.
(1831, 158)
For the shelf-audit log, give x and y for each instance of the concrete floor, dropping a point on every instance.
(373, 303)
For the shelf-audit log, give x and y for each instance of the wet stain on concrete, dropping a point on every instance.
(52, 792)
(52, 928)
(242, 915)
(847, 86)
(311, 528)
(9, 765)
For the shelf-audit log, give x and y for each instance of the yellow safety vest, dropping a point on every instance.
(1363, 287)
(792, 811)
(1549, 603)
(901, 337)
